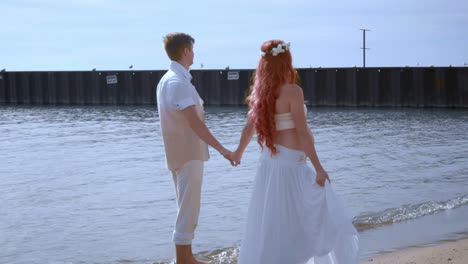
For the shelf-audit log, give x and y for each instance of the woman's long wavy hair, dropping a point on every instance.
(272, 72)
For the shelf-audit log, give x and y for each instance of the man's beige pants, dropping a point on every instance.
(188, 182)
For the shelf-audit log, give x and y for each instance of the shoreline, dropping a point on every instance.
(452, 252)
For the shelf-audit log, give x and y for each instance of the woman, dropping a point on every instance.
(294, 216)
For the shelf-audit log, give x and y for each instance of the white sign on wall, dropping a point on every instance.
(233, 75)
(111, 79)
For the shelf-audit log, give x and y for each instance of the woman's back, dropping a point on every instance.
(286, 137)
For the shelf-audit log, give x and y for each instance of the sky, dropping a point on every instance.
(50, 35)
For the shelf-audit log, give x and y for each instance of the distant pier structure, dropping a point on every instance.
(371, 87)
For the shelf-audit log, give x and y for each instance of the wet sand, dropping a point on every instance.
(450, 253)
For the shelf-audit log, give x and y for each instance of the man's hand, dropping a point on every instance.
(227, 155)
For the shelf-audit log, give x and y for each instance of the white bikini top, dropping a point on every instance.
(285, 121)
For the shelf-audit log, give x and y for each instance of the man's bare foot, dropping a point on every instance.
(193, 261)
(202, 262)
(184, 255)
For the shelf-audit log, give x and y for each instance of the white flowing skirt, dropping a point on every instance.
(292, 220)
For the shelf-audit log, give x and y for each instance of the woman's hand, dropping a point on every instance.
(322, 176)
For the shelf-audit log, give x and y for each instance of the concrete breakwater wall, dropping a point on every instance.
(398, 87)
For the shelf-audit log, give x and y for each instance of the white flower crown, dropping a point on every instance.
(281, 48)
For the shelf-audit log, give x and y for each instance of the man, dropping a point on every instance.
(186, 139)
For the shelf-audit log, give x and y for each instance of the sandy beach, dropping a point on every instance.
(450, 253)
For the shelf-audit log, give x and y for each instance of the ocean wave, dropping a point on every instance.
(224, 256)
(405, 212)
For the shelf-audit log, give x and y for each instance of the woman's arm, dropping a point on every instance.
(304, 134)
(246, 137)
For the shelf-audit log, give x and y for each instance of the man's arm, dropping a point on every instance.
(203, 132)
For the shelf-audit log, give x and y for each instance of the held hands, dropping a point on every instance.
(233, 157)
(227, 155)
(236, 157)
(322, 176)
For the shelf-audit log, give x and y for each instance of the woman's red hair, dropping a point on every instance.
(272, 72)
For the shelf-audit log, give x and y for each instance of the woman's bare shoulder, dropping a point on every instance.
(292, 90)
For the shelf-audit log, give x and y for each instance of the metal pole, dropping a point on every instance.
(364, 47)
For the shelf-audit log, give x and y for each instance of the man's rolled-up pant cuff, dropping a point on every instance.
(182, 238)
